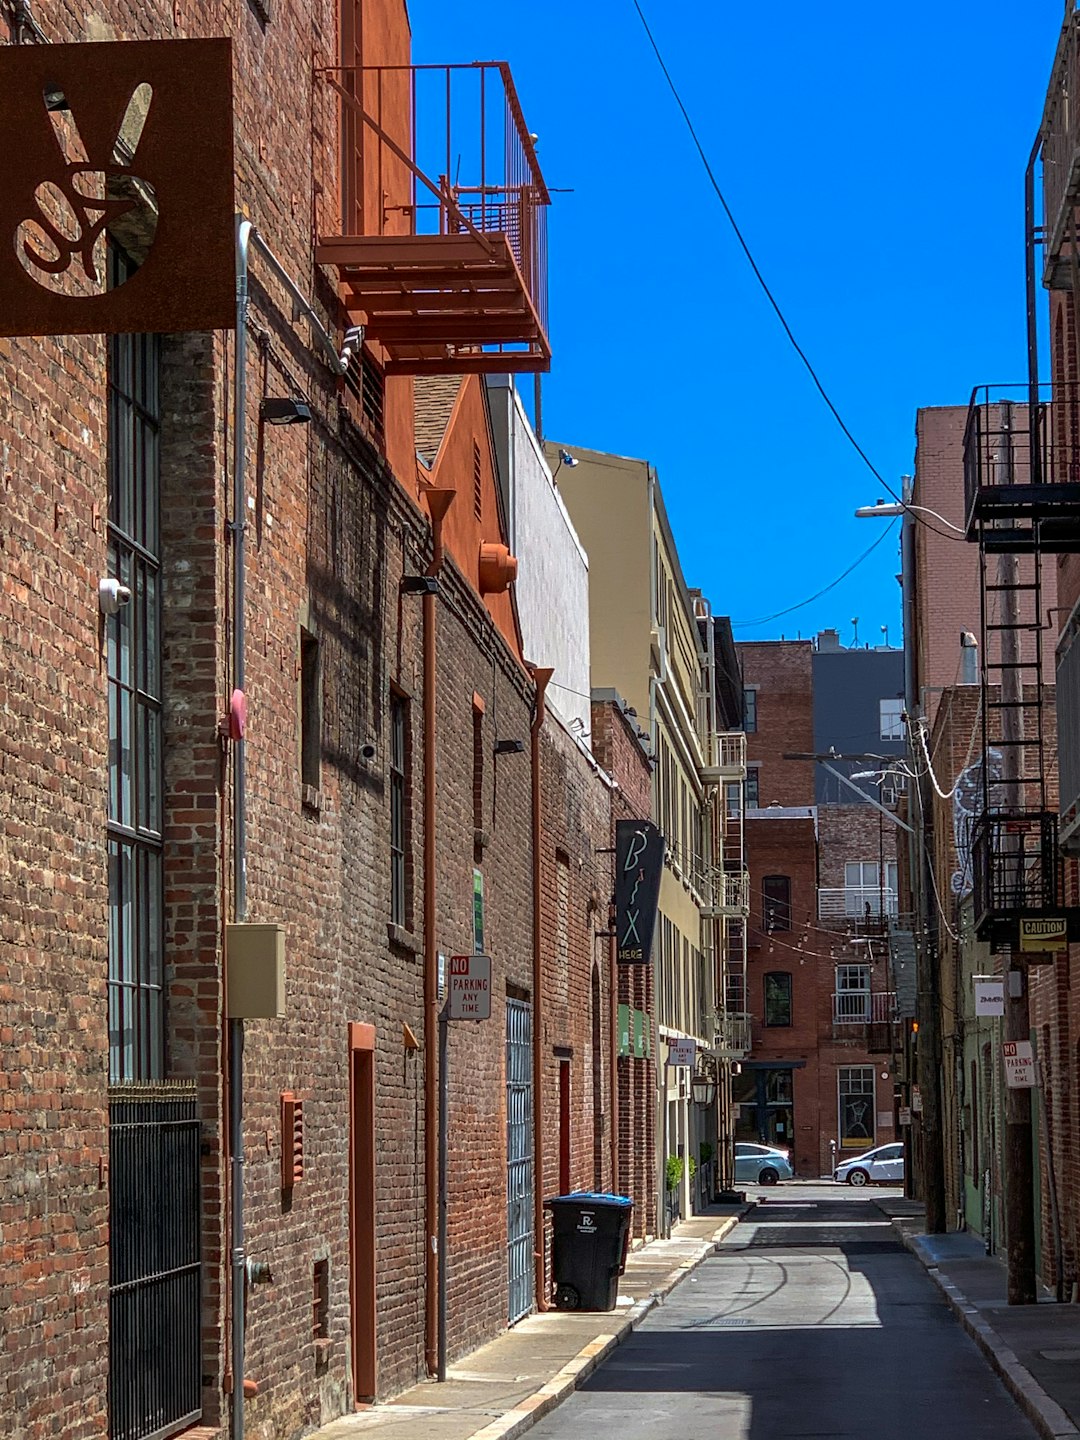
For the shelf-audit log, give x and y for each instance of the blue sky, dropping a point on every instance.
(874, 159)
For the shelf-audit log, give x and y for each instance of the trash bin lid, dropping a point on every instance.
(589, 1197)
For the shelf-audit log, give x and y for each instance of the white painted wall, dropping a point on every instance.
(553, 569)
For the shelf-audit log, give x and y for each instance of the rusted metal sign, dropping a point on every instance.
(128, 139)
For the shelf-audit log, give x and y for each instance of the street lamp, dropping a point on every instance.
(703, 1090)
(881, 510)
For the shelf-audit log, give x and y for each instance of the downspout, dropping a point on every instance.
(438, 502)
(540, 680)
(234, 1097)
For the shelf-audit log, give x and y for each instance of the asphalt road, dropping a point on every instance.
(813, 1323)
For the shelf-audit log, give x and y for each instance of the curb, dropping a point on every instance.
(1040, 1408)
(526, 1413)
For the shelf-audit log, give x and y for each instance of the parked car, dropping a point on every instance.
(761, 1164)
(884, 1166)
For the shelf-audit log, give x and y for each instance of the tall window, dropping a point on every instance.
(855, 1100)
(749, 709)
(778, 998)
(776, 902)
(399, 909)
(892, 723)
(310, 712)
(852, 1000)
(752, 787)
(133, 661)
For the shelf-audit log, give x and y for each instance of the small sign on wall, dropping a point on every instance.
(470, 987)
(905, 1114)
(990, 997)
(1019, 1064)
(682, 1052)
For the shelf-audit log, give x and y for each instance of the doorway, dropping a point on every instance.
(362, 1209)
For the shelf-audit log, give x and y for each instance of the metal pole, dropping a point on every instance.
(444, 1125)
(244, 232)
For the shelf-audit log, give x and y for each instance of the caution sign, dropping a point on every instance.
(1047, 933)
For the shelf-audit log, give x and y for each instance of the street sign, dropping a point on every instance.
(989, 997)
(1019, 1064)
(470, 987)
(639, 864)
(1048, 933)
(905, 1114)
(916, 1099)
(681, 1052)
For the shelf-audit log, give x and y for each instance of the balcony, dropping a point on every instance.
(731, 1036)
(442, 248)
(1022, 465)
(730, 753)
(1061, 153)
(1017, 873)
(728, 895)
(861, 1007)
(864, 909)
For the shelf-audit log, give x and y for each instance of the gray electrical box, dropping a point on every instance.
(255, 972)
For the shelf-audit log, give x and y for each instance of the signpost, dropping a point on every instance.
(470, 987)
(1019, 1064)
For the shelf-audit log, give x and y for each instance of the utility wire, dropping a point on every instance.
(768, 293)
(764, 620)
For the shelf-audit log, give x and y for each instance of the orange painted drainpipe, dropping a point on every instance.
(438, 502)
(540, 679)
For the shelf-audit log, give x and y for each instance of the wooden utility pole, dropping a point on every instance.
(1019, 1166)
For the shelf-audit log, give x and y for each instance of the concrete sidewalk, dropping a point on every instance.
(1035, 1349)
(502, 1389)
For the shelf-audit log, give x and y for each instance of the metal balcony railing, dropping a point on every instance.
(1021, 460)
(442, 245)
(861, 1007)
(1017, 869)
(729, 757)
(727, 893)
(731, 1035)
(856, 902)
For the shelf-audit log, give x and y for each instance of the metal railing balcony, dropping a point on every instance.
(729, 752)
(861, 1007)
(732, 1035)
(856, 902)
(441, 249)
(728, 893)
(1021, 463)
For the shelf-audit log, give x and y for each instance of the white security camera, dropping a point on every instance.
(112, 596)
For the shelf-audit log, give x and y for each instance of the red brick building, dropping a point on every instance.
(314, 716)
(818, 1081)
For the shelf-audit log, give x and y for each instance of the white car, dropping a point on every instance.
(885, 1166)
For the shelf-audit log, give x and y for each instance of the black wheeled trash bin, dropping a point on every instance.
(591, 1238)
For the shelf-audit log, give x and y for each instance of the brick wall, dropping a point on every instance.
(781, 672)
(620, 753)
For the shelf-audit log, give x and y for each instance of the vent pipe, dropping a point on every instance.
(969, 658)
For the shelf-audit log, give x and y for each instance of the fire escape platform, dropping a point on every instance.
(1052, 509)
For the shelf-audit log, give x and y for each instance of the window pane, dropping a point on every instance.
(778, 998)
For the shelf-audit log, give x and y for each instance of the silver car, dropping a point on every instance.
(761, 1164)
(884, 1165)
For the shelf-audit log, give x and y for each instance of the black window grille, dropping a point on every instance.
(398, 813)
(133, 663)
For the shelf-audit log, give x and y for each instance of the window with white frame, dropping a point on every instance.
(864, 892)
(851, 1001)
(892, 719)
(855, 1106)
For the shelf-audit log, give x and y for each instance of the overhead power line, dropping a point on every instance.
(768, 293)
(764, 619)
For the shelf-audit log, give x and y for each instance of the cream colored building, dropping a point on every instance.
(654, 642)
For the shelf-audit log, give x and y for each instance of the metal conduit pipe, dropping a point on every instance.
(541, 677)
(438, 502)
(247, 238)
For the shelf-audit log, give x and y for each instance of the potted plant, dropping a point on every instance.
(673, 1174)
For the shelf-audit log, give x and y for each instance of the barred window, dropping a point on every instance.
(133, 656)
(855, 1085)
(398, 813)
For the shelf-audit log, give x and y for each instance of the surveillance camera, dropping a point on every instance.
(112, 596)
(367, 752)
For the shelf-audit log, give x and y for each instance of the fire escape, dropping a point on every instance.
(729, 900)
(1022, 499)
(440, 247)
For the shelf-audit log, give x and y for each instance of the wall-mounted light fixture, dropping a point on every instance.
(509, 747)
(419, 585)
(285, 410)
(565, 458)
(703, 1090)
